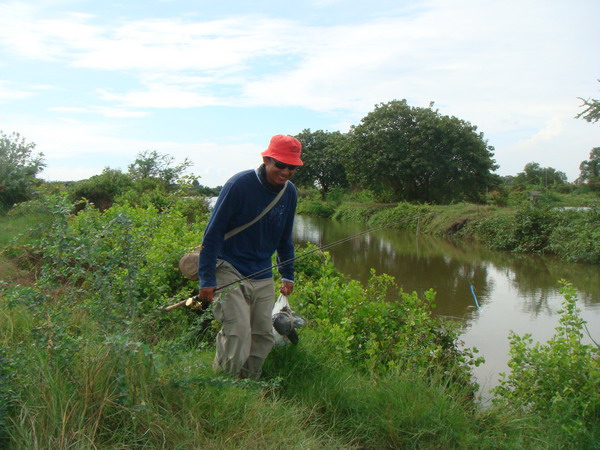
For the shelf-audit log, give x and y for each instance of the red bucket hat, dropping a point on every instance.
(285, 149)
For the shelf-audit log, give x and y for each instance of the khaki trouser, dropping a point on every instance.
(245, 311)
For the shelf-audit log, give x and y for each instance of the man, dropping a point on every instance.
(245, 308)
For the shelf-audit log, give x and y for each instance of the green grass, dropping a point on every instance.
(118, 393)
(78, 373)
(75, 388)
(13, 226)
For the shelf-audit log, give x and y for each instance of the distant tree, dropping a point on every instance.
(321, 155)
(535, 175)
(590, 168)
(591, 113)
(18, 169)
(507, 180)
(419, 154)
(101, 190)
(207, 191)
(151, 164)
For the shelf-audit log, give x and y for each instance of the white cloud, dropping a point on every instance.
(74, 149)
(8, 93)
(101, 110)
(512, 68)
(160, 96)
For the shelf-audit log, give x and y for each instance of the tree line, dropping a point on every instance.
(404, 153)
(397, 151)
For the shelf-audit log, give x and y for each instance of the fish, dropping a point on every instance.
(286, 321)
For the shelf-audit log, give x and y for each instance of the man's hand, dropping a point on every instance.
(287, 287)
(207, 294)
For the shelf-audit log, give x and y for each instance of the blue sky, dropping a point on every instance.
(94, 83)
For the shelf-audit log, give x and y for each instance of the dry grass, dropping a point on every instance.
(11, 273)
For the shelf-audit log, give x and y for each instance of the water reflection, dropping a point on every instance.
(515, 292)
(449, 267)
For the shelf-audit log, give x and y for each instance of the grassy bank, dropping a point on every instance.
(89, 360)
(571, 234)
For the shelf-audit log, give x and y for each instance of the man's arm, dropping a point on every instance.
(213, 241)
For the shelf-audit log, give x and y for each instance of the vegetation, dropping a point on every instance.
(535, 175)
(559, 379)
(322, 156)
(591, 109)
(417, 154)
(90, 360)
(101, 190)
(401, 153)
(590, 170)
(18, 168)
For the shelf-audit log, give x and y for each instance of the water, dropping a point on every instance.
(514, 292)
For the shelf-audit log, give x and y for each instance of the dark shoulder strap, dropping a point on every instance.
(260, 216)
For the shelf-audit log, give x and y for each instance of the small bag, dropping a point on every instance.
(188, 264)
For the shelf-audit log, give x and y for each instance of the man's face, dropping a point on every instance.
(276, 175)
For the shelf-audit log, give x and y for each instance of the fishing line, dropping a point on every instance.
(474, 297)
(321, 248)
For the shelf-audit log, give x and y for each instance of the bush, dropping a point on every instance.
(315, 208)
(356, 212)
(403, 216)
(362, 196)
(336, 195)
(526, 230)
(360, 324)
(576, 237)
(560, 379)
(18, 168)
(101, 190)
(125, 258)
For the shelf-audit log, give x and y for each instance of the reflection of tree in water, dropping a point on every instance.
(448, 267)
(417, 265)
(536, 278)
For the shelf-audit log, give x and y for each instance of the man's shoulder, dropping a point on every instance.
(243, 176)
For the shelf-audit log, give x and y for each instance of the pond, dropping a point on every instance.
(513, 291)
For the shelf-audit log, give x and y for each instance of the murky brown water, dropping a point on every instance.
(514, 292)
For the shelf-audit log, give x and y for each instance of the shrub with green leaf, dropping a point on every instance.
(560, 379)
(316, 208)
(18, 169)
(403, 216)
(124, 259)
(526, 230)
(101, 190)
(361, 324)
(576, 237)
(356, 212)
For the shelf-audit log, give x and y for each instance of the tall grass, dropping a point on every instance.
(399, 410)
(12, 226)
(94, 363)
(117, 393)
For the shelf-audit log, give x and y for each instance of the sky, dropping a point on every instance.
(95, 83)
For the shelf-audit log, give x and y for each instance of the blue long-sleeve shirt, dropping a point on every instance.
(243, 198)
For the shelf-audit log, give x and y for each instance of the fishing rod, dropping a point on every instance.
(191, 301)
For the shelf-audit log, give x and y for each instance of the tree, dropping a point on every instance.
(590, 169)
(158, 166)
(103, 189)
(18, 168)
(591, 113)
(418, 154)
(535, 175)
(323, 166)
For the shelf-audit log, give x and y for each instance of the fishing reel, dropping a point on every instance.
(195, 304)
